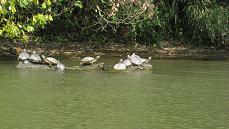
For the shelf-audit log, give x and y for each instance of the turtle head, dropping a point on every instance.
(43, 56)
(97, 57)
(150, 58)
(128, 56)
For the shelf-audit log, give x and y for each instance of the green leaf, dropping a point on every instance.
(29, 29)
(25, 38)
(50, 18)
(36, 2)
(78, 4)
(34, 20)
(46, 17)
(49, 3)
(43, 6)
(1, 10)
(1, 32)
(13, 9)
(3, 2)
(23, 3)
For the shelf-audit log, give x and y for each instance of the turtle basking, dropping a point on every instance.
(50, 60)
(35, 58)
(60, 67)
(135, 59)
(127, 61)
(23, 56)
(120, 66)
(89, 60)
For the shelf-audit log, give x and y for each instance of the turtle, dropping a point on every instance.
(135, 59)
(146, 60)
(50, 60)
(89, 60)
(120, 66)
(127, 61)
(26, 62)
(23, 56)
(60, 66)
(34, 58)
(135, 55)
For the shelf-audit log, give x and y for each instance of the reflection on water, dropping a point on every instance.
(174, 95)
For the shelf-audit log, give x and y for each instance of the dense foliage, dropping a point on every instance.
(19, 17)
(203, 22)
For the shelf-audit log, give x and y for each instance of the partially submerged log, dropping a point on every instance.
(142, 67)
(135, 68)
(33, 66)
(99, 66)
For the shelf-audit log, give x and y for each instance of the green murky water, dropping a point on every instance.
(176, 94)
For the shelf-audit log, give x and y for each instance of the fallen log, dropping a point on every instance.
(99, 66)
(142, 67)
(20, 65)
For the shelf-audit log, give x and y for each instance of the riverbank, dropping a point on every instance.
(168, 50)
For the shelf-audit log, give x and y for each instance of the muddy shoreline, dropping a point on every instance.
(169, 50)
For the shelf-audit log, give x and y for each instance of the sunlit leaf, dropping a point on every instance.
(36, 2)
(1, 32)
(23, 3)
(50, 18)
(1, 10)
(25, 38)
(78, 4)
(13, 9)
(49, 3)
(3, 1)
(30, 29)
(43, 6)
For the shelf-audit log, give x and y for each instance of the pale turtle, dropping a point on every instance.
(120, 66)
(23, 56)
(26, 62)
(89, 60)
(127, 61)
(135, 59)
(60, 67)
(50, 60)
(34, 58)
(135, 55)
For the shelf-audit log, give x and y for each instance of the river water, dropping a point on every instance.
(176, 94)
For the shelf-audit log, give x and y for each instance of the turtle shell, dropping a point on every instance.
(127, 62)
(60, 66)
(23, 56)
(135, 59)
(87, 59)
(120, 66)
(51, 60)
(35, 58)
